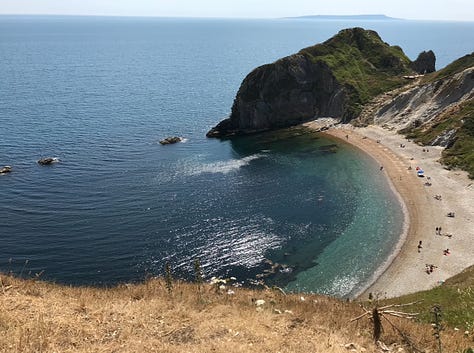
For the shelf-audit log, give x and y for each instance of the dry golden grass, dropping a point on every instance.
(43, 317)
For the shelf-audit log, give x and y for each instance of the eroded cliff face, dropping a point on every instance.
(426, 105)
(288, 92)
(332, 79)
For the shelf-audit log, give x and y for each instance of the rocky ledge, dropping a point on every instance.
(6, 169)
(48, 161)
(171, 140)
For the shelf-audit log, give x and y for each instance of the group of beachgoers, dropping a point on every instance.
(429, 268)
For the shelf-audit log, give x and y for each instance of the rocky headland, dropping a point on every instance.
(332, 79)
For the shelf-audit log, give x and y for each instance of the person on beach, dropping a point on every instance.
(446, 252)
(381, 167)
(429, 268)
(420, 246)
(437, 230)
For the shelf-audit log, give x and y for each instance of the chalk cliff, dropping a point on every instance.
(434, 110)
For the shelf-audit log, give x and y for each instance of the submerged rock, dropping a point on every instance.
(6, 169)
(47, 161)
(171, 140)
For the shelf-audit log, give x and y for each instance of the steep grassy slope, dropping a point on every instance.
(455, 298)
(363, 63)
(451, 69)
(461, 153)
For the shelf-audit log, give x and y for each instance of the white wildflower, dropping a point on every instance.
(259, 302)
(215, 280)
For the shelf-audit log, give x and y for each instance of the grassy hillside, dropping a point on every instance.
(151, 317)
(453, 68)
(461, 153)
(455, 298)
(361, 61)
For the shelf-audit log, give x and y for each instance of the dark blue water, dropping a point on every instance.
(99, 93)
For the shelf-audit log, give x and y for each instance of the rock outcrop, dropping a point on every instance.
(425, 63)
(48, 161)
(288, 92)
(332, 79)
(171, 140)
(6, 169)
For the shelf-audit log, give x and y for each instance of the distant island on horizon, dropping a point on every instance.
(376, 17)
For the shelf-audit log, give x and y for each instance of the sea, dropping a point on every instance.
(291, 208)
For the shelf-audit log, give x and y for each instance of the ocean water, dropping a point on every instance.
(99, 93)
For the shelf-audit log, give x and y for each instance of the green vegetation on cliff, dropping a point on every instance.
(459, 120)
(453, 68)
(455, 297)
(332, 79)
(461, 153)
(363, 63)
(456, 124)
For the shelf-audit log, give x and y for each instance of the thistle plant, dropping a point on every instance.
(437, 326)
(168, 278)
(198, 278)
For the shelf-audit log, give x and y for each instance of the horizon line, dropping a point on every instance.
(302, 17)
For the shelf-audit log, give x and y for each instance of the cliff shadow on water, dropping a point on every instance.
(300, 183)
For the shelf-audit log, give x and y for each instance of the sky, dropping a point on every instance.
(457, 10)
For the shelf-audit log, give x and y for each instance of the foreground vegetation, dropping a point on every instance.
(167, 316)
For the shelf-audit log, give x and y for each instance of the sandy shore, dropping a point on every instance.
(406, 271)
